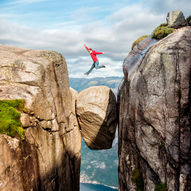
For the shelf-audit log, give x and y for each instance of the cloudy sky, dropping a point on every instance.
(110, 26)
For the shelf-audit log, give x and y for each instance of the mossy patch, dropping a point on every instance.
(162, 31)
(161, 187)
(10, 123)
(138, 40)
(163, 25)
(52, 56)
(137, 179)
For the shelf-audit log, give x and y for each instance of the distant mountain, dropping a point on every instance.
(82, 83)
(98, 166)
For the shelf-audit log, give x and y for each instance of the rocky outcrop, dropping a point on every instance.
(154, 118)
(136, 55)
(188, 20)
(49, 156)
(176, 19)
(74, 138)
(96, 111)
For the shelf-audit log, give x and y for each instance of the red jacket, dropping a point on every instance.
(93, 54)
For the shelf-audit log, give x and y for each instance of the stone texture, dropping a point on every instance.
(9, 150)
(154, 116)
(96, 111)
(75, 139)
(49, 156)
(188, 20)
(136, 55)
(175, 19)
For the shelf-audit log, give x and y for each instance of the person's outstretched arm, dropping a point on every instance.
(86, 47)
(99, 52)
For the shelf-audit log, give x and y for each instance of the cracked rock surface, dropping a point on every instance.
(155, 117)
(48, 154)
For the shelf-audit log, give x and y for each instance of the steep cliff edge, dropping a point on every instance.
(154, 118)
(50, 150)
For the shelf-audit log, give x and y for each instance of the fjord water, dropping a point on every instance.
(95, 187)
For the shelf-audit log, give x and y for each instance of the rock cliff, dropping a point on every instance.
(35, 96)
(155, 117)
(50, 149)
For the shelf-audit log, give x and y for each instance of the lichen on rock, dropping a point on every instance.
(138, 40)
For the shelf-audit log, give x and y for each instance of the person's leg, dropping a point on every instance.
(97, 66)
(92, 67)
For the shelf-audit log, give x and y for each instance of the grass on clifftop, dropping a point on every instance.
(10, 123)
(138, 40)
(162, 31)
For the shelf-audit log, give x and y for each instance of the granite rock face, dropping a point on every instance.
(136, 55)
(97, 116)
(48, 158)
(175, 19)
(155, 117)
(188, 20)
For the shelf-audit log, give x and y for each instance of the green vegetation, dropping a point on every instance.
(161, 187)
(138, 40)
(163, 25)
(10, 123)
(162, 31)
(137, 179)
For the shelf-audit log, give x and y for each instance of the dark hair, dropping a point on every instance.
(90, 48)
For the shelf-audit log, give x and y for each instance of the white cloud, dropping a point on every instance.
(113, 35)
(127, 25)
(164, 6)
(77, 67)
(17, 2)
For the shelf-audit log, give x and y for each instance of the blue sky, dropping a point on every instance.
(104, 25)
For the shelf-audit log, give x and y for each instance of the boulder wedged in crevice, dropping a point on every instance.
(97, 116)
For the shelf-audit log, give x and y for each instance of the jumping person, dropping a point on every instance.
(95, 64)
